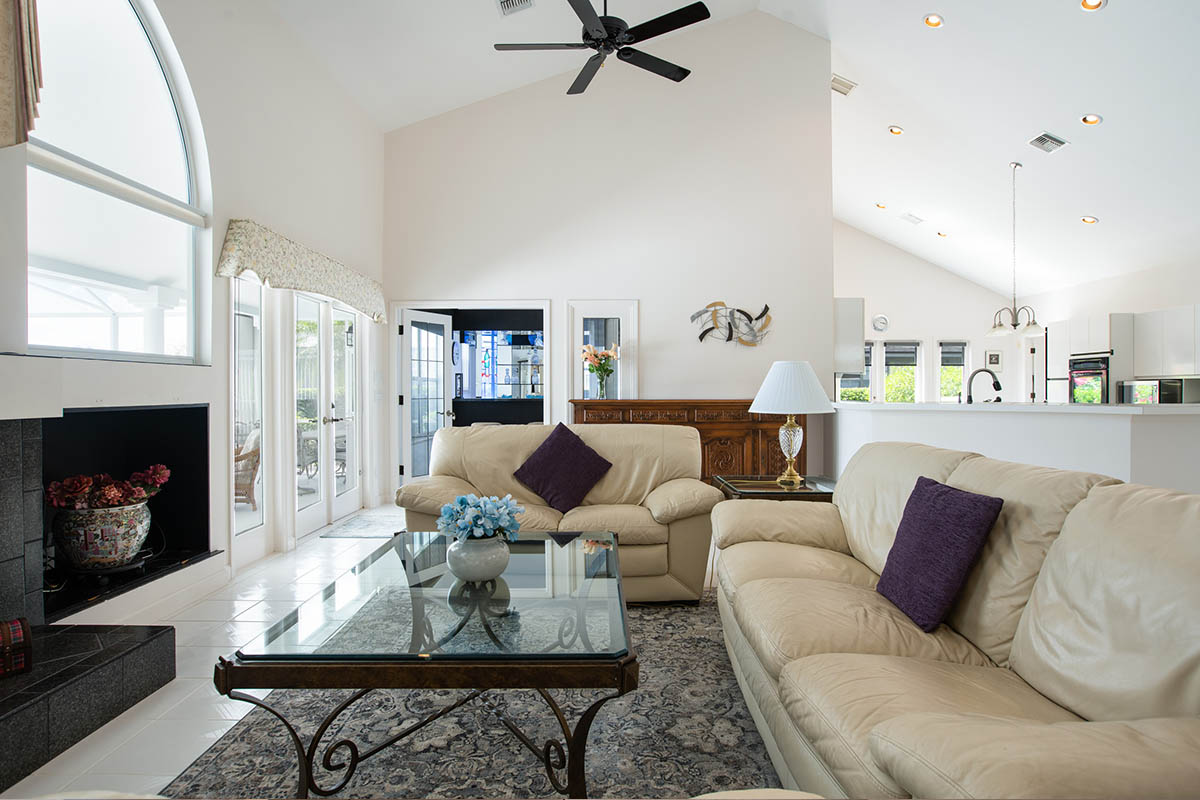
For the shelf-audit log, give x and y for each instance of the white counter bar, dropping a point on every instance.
(1154, 445)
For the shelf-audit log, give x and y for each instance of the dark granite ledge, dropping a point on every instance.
(83, 677)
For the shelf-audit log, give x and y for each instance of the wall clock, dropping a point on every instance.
(880, 322)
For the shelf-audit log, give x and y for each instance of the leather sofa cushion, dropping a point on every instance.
(643, 560)
(1036, 502)
(803, 523)
(539, 518)
(789, 618)
(643, 457)
(750, 561)
(836, 700)
(427, 495)
(874, 487)
(682, 498)
(632, 524)
(1111, 630)
(952, 755)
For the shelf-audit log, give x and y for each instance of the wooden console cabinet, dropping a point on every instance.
(733, 441)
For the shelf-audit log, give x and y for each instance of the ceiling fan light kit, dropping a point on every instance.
(607, 35)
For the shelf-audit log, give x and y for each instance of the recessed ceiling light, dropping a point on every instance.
(1091, 119)
(895, 130)
(936, 21)
(1092, 5)
(1089, 220)
(880, 205)
(941, 234)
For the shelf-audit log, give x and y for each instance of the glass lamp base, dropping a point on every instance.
(791, 438)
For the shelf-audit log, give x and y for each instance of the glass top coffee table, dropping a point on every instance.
(555, 619)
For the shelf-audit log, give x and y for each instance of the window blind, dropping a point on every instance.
(900, 354)
(954, 354)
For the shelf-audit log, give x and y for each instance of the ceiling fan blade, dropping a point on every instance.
(679, 18)
(587, 15)
(586, 74)
(653, 64)
(563, 46)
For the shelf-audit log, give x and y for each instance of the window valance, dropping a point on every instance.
(284, 264)
(20, 70)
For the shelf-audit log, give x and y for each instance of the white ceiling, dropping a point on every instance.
(969, 96)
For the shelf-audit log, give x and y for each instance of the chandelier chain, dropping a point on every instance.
(1015, 167)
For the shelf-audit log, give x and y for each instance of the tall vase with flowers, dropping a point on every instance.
(481, 528)
(102, 522)
(602, 364)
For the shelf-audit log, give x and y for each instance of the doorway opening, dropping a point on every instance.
(460, 366)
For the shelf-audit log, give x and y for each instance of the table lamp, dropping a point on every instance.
(791, 387)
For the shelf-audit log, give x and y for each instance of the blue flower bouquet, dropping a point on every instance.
(471, 517)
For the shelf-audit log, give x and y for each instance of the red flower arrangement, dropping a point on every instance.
(104, 491)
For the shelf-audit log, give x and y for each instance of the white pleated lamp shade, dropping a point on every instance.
(791, 387)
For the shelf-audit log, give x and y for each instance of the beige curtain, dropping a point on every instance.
(20, 70)
(283, 264)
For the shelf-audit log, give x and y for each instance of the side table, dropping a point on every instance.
(763, 487)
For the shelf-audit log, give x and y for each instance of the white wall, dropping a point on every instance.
(924, 303)
(1147, 290)
(716, 188)
(287, 149)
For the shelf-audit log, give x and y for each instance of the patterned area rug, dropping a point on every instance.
(685, 731)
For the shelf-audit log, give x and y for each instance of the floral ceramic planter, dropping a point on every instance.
(101, 538)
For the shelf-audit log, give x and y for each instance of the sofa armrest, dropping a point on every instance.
(974, 755)
(681, 498)
(794, 522)
(427, 495)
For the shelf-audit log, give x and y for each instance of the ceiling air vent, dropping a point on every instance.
(1047, 142)
(911, 218)
(842, 85)
(513, 6)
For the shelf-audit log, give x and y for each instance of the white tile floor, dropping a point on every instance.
(142, 750)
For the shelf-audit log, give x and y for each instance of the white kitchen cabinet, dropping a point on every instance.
(1148, 343)
(1092, 334)
(849, 328)
(1078, 331)
(1179, 341)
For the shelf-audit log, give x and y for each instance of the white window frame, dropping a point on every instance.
(68, 166)
(868, 370)
(918, 380)
(937, 374)
(627, 364)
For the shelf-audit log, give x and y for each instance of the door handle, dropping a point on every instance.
(327, 420)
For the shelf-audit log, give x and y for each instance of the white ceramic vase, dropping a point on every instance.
(477, 560)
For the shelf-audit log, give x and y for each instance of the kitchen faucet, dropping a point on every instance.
(995, 384)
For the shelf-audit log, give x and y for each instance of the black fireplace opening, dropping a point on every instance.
(120, 441)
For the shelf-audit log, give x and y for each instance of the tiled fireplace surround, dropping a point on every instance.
(21, 520)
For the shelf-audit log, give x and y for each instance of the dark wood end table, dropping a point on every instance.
(763, 487)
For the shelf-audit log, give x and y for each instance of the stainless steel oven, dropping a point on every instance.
(1150, 392)
(1087, 380)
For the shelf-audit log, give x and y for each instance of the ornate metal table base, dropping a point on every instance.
(563, 759)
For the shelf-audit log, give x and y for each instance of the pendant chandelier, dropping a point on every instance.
(1000, 327)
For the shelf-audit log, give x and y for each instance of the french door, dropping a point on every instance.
(426, 369)
(326, 372)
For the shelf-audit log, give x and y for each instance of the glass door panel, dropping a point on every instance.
(425, 362)
(309, 403)
(247, 405)
(345, 403)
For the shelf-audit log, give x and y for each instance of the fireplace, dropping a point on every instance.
(120, 441)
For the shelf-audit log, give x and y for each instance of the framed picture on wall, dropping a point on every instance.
(993, 360)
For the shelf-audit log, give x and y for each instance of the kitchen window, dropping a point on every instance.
(901, 368)
(952, 371)
(856, 387)
(110, 193)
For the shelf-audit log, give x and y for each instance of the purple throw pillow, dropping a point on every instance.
(941, 534)
(563, 470)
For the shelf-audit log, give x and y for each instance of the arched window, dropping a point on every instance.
(111, 193)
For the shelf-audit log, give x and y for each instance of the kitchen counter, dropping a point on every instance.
(1192, 409)
(1154, 445)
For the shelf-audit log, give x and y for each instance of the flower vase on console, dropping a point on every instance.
(602, 364)
(481, 528)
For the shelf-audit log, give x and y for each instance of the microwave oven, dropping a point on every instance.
(1151, 392)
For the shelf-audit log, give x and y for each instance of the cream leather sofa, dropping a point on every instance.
(652, 497)
(1069, 667)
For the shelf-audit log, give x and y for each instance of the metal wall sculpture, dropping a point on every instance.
(732, 324)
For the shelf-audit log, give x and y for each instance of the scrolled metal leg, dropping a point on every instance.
(305, 777)
(577, 749)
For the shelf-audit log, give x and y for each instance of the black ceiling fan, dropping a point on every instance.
(607, 35)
